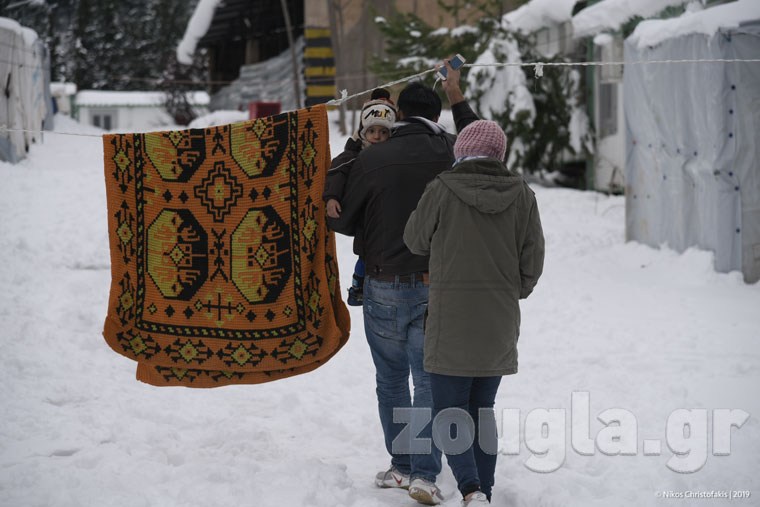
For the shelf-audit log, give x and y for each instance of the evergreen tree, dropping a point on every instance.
(535, 112)
(535, 109)
(112, 44)
(414, 46)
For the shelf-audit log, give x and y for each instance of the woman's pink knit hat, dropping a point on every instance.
(481, 138)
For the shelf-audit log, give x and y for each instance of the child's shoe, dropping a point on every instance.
(356, 291)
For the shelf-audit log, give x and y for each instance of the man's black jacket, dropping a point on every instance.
(384, 186)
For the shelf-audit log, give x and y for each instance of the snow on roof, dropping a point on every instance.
(220, 117)
(10, 24)
(59, 88)
(29, 35)
(612, 14)
(196, 29)
(603, 39)
(538, 14)
(133, 99)
(707, 22)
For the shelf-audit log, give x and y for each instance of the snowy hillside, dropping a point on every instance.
(642, 330)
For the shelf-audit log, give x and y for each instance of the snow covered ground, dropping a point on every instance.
(644, 331)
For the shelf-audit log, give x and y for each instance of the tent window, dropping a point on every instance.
(542, 38)
(550, 41)
(563, 37)
(612, 52)
(608, 98)
(104, 119)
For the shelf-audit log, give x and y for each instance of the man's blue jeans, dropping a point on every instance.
(393, 322)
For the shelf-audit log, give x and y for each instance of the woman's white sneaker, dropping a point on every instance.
(475, 499)
(425, 492)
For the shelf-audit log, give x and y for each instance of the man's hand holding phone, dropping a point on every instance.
(451, 69)
(453, 63)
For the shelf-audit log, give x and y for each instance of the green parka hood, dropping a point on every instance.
(484, 183)
(479, 224)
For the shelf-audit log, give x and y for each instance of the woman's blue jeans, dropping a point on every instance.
(474, 421)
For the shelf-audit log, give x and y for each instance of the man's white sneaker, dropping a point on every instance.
(392, 478)
(475, 499)
(425, 492)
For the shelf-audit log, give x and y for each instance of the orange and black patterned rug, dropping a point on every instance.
(223, 270)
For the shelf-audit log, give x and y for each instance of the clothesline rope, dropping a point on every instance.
(537, 66)
(4, 128)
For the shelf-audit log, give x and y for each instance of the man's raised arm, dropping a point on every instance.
(463, 113)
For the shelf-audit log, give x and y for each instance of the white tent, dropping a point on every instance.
(24, 83)
(693, 160)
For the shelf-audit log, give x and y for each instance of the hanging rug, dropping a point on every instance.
(223, 270)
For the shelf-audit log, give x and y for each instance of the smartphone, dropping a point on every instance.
(456, 62)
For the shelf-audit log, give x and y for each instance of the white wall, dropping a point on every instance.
(127, 118)
(609, 159)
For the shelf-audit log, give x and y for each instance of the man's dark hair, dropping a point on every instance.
(419, 100)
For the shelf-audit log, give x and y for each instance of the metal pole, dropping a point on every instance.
(288, 27)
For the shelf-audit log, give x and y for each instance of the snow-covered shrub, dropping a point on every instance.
(543, 117)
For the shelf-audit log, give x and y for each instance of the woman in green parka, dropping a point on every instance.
(479, 224)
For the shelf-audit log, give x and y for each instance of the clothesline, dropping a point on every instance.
(537, 68)
(4, 128)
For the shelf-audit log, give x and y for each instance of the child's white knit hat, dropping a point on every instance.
(377, 112)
